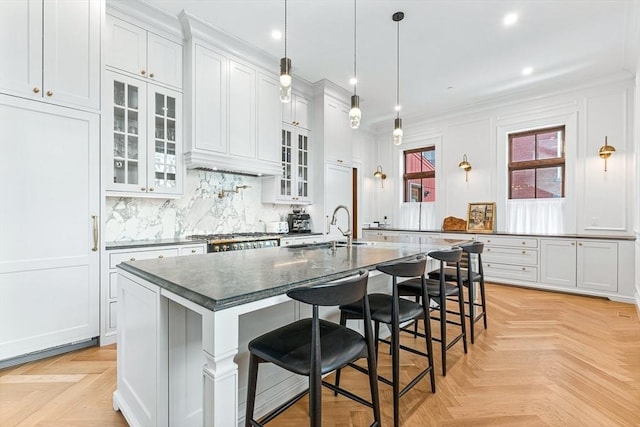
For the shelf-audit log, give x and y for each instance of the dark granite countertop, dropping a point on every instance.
(502, 233)
(221, 280)
(150, 243)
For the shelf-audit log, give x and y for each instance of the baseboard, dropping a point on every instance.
(49, 352)
(637, 296)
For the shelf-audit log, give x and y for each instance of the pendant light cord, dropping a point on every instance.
(398, 71)
(285, 28)
(355, 23)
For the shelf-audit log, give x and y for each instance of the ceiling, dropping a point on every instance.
(453, 53)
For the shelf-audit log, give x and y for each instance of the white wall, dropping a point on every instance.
(598, 203)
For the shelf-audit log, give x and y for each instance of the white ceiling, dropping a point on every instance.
(453, 53)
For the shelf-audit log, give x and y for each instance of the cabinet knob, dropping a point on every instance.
(524, 269)
(36, 90)
(573, 244)
(143, 188)
(488, 249)
(488, 241)
(152, 75)
(132, 259)
(579, 244)
(524, 252)
(524, 243)
(160, 256)
(193, 251)
(49, 93)
(488, 265)
(151, 188)
(143, 72)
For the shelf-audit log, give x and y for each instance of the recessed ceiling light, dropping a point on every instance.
(526, 71)
(353, 81)
(449, 87)
(398, 107)
(510, 19)
(276, 34)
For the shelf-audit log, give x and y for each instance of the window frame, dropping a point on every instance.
(536, 164)
(414, 175)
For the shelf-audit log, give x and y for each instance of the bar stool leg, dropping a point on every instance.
(251, 389)
(472, 310)
(395, 361)
(427, 333)
(443, 333)
(484, 302)
(343, 322)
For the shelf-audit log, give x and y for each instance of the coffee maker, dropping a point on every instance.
(299, 222)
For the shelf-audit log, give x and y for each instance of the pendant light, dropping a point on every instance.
(397, 123)
(355, 114)
(285, 66)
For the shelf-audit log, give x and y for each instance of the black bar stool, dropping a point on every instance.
(438, 291)
(393, 310)
(314, 347)
(469, 278)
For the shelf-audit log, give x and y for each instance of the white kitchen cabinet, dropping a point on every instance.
(586, 264)
(337, 132)
(144, 54)
(510, 259)
(296, 112)
(234, 114)
(142, 138)
(50, 51)
(49, 250)
(292, 186)
(111, 260)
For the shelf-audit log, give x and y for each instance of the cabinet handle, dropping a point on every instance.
(579, 244)
(143, 72)
(193, 251)
(36, 90)
(340, 161)
(152, 75)
(143, 189)
(95, 233)
(151, 189)
(160, 256)
(49, 93)
(132, 259)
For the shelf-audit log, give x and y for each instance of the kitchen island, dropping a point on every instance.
(182, 320)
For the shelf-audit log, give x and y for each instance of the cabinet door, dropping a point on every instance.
(126, 46)
(50, 189)
(303, 185)
(598, 265)
(286, 180)
(558, 262)
(125, 142)
(337, 192)
(164, 60)
(301, 109)
(164, 164)
(21, 47)
(72, 52)
(337, 133)
(209, 100)
(242, 110)
(269, 120)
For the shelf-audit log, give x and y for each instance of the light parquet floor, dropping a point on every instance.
(547, 359)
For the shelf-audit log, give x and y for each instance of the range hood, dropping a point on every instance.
(218, 162)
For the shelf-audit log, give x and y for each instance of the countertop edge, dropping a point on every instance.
(502, 233)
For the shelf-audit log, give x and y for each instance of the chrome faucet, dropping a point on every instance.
(346, 233)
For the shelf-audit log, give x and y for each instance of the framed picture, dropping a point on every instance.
(481, 217)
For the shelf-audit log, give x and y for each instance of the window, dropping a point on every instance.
(536, 164)
(420, 175)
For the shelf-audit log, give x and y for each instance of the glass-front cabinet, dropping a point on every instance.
(293, 185)
(294, 181)
(144, 138)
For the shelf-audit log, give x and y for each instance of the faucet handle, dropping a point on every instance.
(345, 233)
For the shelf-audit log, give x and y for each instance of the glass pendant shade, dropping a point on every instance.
(397, 132)
(355, 114)
(285, 80)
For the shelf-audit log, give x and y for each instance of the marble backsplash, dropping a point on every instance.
(198, 211)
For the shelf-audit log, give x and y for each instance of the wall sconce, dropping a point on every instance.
(379, 174)
(606, 151)
(464, 164)
(237, 190)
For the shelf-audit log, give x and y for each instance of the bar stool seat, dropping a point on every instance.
(314, 347)
(381, 307)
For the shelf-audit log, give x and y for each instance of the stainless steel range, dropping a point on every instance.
(238, 241)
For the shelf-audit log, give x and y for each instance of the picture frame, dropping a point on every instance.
(481, 217)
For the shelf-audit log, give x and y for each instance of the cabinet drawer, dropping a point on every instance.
(115, 259)
(496, 271)
(191, 250)
(518, 257)
(519, 242)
